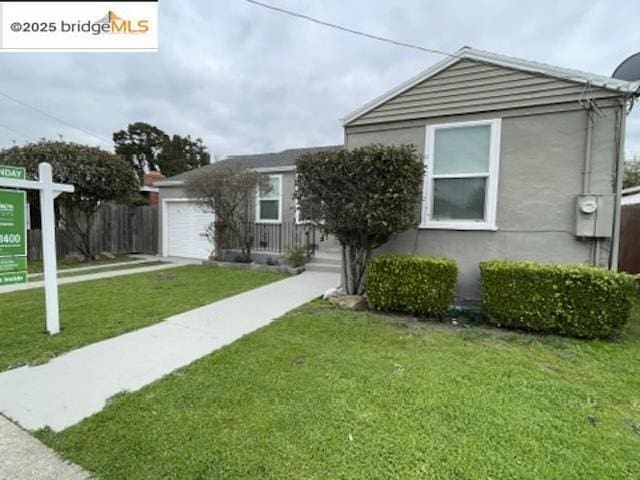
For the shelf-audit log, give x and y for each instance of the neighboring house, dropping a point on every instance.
(631, 196)
(275, 218)
(524, 160)
(148, 190)
(630, 231)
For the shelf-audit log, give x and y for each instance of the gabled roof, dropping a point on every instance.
(500, 60)
(276, 161)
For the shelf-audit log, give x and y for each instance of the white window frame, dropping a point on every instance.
(491, 191)
(259, 213)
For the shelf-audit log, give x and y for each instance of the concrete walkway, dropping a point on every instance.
(22, 457)
(75, 385)
(97, 266)
(86, 277)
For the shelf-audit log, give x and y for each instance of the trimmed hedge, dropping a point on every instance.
(572, 300)
(411, 284)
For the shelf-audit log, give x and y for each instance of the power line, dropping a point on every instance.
(374, 37)
(39, 110)
(17, 132)
(351, 30)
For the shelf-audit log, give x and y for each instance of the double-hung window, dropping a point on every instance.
(461, 184)
(269, 204)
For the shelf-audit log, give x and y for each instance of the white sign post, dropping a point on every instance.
(48, 192)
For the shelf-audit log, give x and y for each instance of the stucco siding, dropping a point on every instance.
(540, 174)
(470, 86)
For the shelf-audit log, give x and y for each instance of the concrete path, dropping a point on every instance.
(90, 276)
(98, 266)
(22, 457)
(75, 385)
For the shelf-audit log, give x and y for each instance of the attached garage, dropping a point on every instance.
(184, 227)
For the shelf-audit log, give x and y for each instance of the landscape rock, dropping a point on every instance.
(352, 302)
(76, 257)
(108, 255)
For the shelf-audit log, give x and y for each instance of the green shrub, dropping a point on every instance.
(411, 284)
(296, 256)
(573, 300)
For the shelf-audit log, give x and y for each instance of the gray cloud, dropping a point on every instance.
(248, 80)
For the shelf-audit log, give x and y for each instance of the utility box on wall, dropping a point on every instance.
(594, 215)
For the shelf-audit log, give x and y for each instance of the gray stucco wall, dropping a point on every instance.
(541, 164)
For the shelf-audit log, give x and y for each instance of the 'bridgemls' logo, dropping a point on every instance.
(79, 26)
(110, 23)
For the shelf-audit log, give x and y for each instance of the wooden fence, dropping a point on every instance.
(118, 229)
(629, 260)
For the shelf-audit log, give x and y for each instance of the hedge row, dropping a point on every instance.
(574, 300)
(411, 284)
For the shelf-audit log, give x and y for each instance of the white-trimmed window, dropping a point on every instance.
(269, 204)
(461, 184)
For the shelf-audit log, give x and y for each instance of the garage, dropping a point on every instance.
(184, 230)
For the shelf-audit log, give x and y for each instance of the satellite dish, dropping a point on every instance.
(629, 69)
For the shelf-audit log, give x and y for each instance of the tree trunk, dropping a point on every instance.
(354, 264)
(218, 234)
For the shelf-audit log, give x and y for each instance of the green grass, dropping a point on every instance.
(35, 266)
(324, 393)
(99, 309)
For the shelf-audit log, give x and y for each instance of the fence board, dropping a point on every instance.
(118, 229)
(630, 239)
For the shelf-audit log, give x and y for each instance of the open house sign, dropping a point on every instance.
(13, 230)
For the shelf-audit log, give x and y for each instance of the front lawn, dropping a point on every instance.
(324, 393)
(99, 309)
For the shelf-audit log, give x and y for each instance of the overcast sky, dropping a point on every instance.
(246, 79)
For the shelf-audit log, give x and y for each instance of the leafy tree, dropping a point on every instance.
(180, 154)
(632, 172)
(228, 191)
(362, 196)
(98, 177)
(140, 144)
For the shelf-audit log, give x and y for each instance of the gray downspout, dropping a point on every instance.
(586, 176)
(615, 246)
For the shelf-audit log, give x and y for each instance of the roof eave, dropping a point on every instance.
(169, 183)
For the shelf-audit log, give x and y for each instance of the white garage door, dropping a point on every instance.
(186, 227)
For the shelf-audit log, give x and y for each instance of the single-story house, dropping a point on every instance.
(524, 160)
(276, 221)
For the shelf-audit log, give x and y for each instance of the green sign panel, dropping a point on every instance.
(13, 236)
(11, 278)
(13, 264)
(12, 173)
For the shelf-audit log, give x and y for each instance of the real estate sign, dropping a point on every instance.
(13, 232)
(13, 173)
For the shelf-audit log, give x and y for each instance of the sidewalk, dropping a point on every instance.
(23, 457)
(86, 277)
(78, 384)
